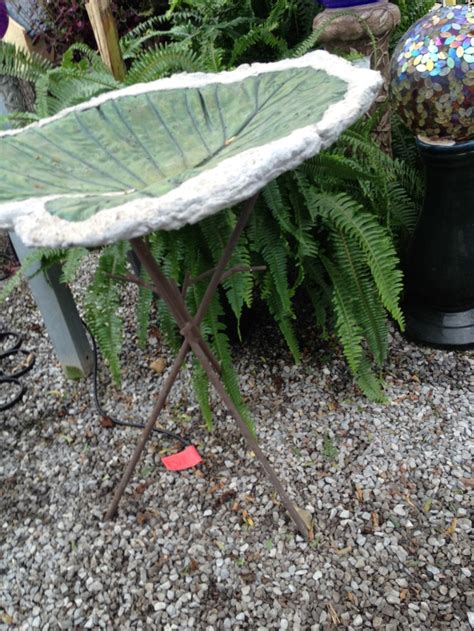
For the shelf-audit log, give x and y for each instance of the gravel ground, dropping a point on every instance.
(389, 489)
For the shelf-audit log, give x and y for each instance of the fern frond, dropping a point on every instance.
(87, 54)
(174, 259)
(201, 390)
(220, 345)
(11, 284)
(366, 304)
(260, 34)
(304, 13)
(143, 28)
(71, 263)
(402, 210)
(306, 244)
(18, 119)
(282, 316)
(132, 43)
(347, 326)
(172, 8)
(280, 210)
(102, 302)
(212, 58)
(277, 12)
(186, 17)
(216, 231)
(305, 46)
(14, 62)
(348, 216)
(168, 326)
(161, 61)
(61, 88)
(334, 165)
(239, 286)
(274, 253)
(403, 143)
(370, 384)
(37, 261)
(319, 292)
(143, 313)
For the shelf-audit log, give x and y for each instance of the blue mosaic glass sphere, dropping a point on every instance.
(433, 75)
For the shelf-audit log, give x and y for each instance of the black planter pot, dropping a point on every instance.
(439, 273)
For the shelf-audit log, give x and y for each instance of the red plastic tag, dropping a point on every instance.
(185, 459)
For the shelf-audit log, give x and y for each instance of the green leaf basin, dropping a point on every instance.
(160, 155)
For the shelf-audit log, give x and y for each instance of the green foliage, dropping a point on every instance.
(80, 76)
(102, 304)
(330, 450)
(71, 262)
(17, 63)
(143, 314)
(160, 61)
(201, 389)
(329, 230)
(194, 35)
(215, 332)
(36, 261)
(214, 35)
(269, 244)
(348, 218)
(341, 245)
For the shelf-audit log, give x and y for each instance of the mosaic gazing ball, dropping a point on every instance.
(433, 75)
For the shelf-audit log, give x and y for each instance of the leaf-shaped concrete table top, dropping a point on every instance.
(163, 154)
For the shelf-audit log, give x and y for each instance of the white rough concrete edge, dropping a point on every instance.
(233, 180)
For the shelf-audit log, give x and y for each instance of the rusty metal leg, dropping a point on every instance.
(252, 443)
(147, 430)
(189, 327)
(167, 291)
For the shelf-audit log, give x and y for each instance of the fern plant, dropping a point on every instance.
(330, 229)
(215, 35)
(194, 35)
(341, 246)
(57, 87)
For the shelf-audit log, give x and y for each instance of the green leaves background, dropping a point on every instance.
(330, 234)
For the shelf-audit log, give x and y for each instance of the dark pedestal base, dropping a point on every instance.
(439, 270)
(440, 329)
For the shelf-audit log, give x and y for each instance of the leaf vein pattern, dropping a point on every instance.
(108, 153)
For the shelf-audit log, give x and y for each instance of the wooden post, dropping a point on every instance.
(106, 35)
(54, 299)
(60, 315)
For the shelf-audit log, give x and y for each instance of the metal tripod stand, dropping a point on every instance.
(193, 340)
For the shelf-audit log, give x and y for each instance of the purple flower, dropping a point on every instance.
(3, 19)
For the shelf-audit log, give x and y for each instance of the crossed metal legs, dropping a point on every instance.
(193, 340)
